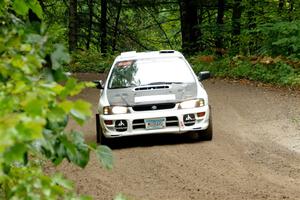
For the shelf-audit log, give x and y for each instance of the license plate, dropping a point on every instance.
(157, 123)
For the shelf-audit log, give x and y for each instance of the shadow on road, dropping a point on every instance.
(150, 140)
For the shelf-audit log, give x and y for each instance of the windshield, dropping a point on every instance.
(133, 73)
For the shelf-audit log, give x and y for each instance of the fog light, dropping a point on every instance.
(108, 122)
(189, 119)
(200, 114)
(121, 125)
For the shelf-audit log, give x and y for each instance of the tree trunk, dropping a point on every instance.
(292, 5)
(103, 27)
(90, 24)
(73, 25)
(236, 25)
(115, 34)
(291, 9)
(252, 25)
(220, 23)
(161, 28)
(190, 31)
(281, 5)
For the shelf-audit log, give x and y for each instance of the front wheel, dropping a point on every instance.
(99, 134)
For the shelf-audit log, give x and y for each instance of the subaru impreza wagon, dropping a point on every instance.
(153, 93)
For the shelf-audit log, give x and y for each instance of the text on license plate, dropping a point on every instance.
(156, 123)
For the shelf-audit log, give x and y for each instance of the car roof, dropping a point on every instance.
(133, 55)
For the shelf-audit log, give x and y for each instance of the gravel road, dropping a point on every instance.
(255, 153)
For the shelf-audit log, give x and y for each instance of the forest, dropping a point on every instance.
(41, 40)
(230, 38)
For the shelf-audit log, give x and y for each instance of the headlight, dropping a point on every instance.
(109, 110)
(192, 104)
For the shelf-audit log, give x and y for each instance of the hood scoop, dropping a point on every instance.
(152, 87)
(151, 94)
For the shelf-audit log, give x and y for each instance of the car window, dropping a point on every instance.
(134, 73)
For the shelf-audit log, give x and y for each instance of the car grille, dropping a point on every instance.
(161, 106)
(140, 123)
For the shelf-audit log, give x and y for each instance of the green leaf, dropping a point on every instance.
(2, 4)
(30, 129)
(77, 138)
(36, 127)
(33, 38)
(56, 114)
(58, 179)
(59, 56)
(72, 87)
(59, 74)
(82, 149)
(69, 147)
(105, 156)
(76, 151)
(66, 105)
(90, 84)
(69, 86)
(58, 124)
(20, 7)
(34, 107)
(85, 198)
(80, 111)
(36, 8)
(121, 197)
(15, 153)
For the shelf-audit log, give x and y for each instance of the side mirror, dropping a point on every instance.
(99, 84)
(204, 75)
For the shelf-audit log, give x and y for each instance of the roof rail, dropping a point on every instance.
(166, 51)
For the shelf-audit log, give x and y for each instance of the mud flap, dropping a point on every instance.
(98, 134)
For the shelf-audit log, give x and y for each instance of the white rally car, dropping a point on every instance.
(152, 93)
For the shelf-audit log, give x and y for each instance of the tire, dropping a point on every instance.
(99, 134)
(208, 133)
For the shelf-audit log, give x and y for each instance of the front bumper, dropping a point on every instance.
(175, 122)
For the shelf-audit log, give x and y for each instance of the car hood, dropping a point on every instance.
(152, 94)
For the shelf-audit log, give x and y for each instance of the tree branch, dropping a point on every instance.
(161, 28)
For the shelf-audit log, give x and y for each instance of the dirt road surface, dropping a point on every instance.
(255, 153)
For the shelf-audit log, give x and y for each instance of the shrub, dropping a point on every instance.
(35, 108)
(89, 61)
(265, 69)
(281, 38)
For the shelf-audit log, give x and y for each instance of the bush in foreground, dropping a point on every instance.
(35, 109)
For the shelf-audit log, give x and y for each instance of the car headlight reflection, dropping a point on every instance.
(109, 110)
(192, 103)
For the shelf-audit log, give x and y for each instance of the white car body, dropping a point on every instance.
(153, 109)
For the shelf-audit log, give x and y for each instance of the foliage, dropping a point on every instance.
(33, 184)
(280, 38)
(89, 61)
(121, 197)
(141, 25)
(35, 109)
(152, 25)
(265, 69)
